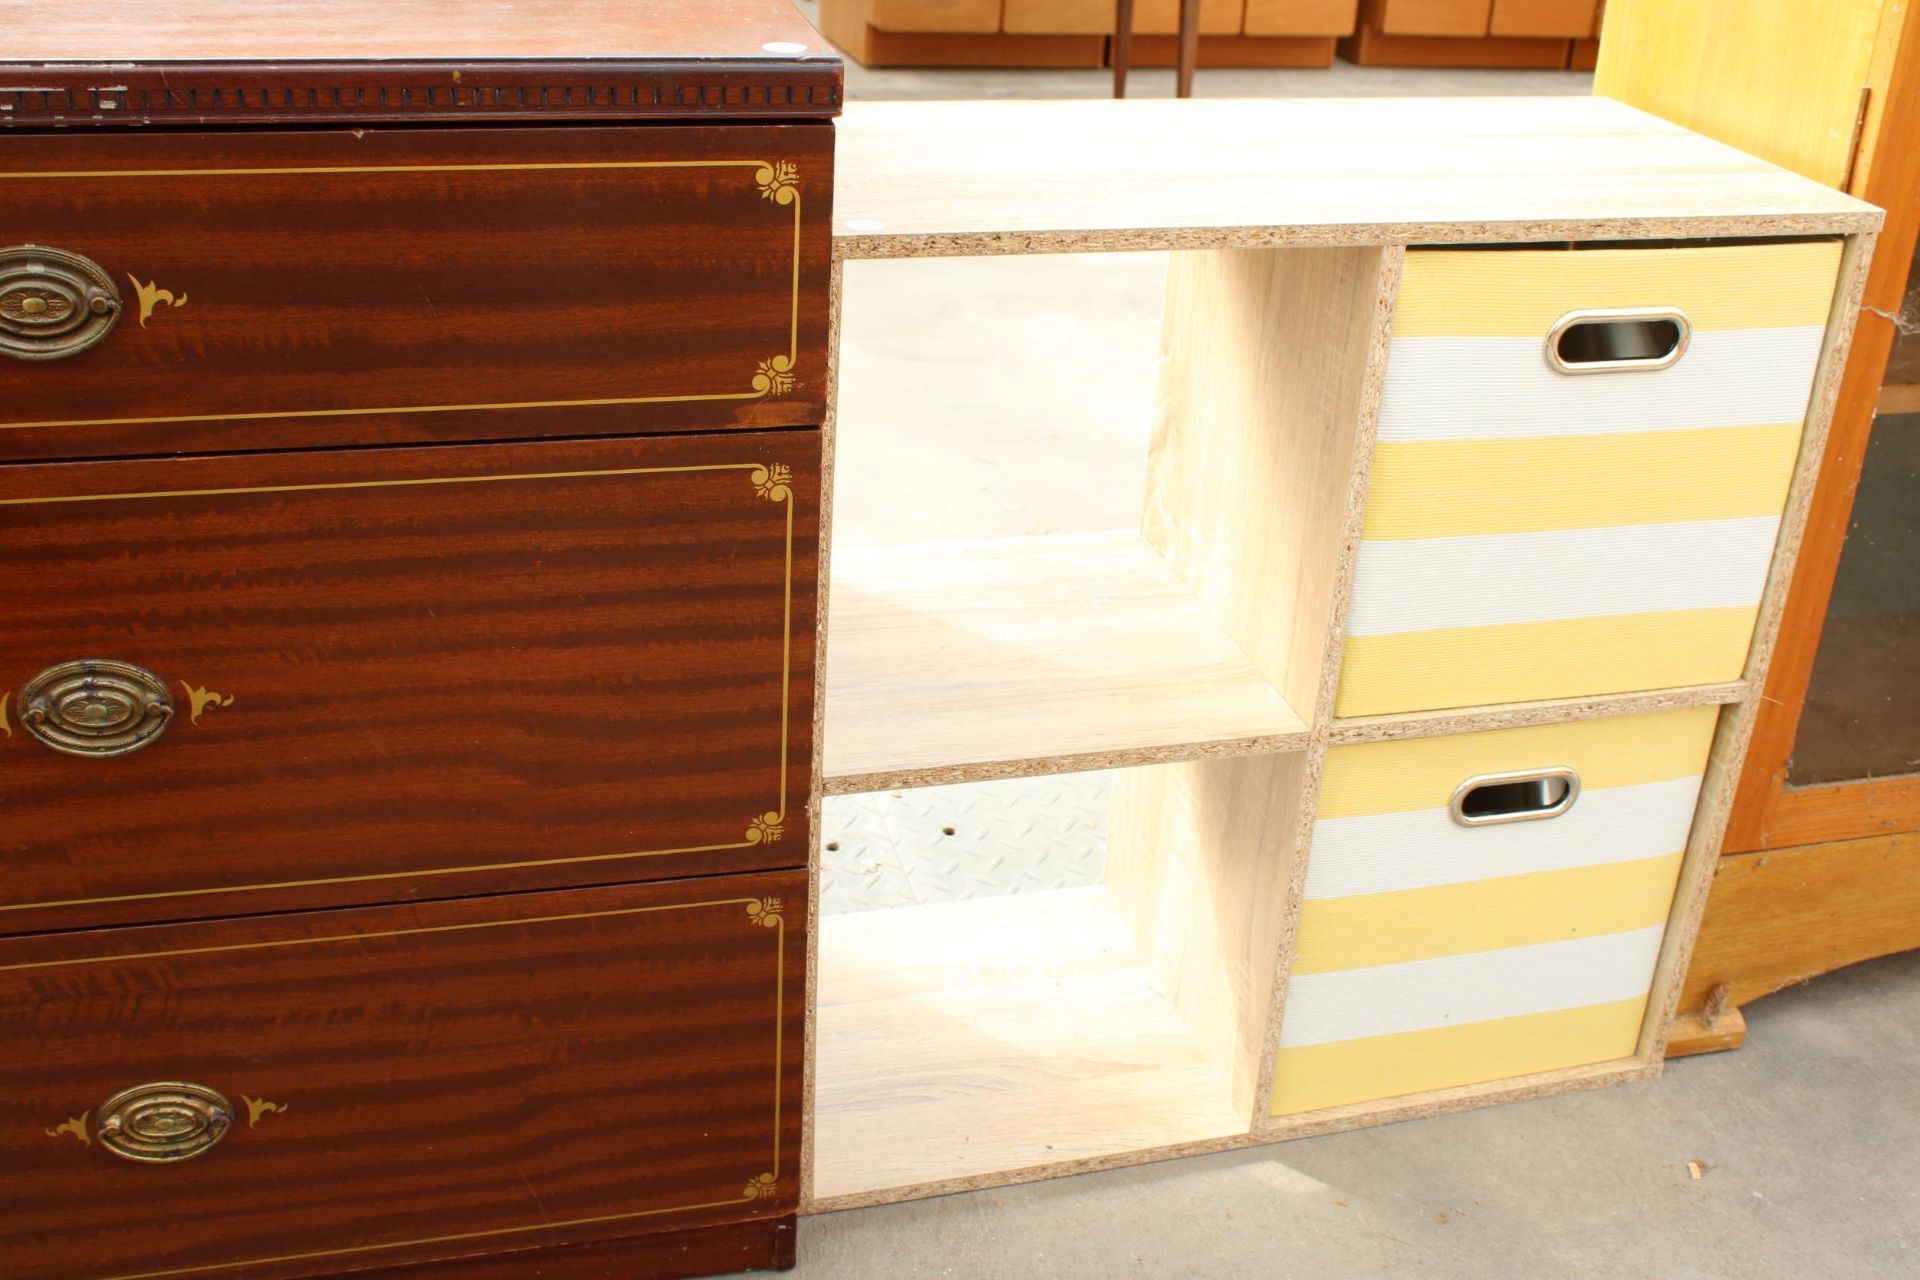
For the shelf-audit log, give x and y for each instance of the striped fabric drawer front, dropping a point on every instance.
(1532, 534)
(1431, 954)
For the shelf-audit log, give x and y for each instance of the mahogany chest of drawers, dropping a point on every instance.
(409, 468)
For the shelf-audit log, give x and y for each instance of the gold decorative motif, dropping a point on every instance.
(259, 1107)
(775, 376)
(765, 911)
(779, 181)
(201, 698)
(773, 481)
(762, 1186)
(74, 1128)
(766, 829)
(151, 296)
(4, 726)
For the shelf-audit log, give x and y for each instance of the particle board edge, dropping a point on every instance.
(817, 798)
(1074, 762)
(1427, 724)
(957, 179)
(1439, 1102)
(1347, 551)
(1271, 1131)
(855, 245)
(1032, 1173)
(1721, 784)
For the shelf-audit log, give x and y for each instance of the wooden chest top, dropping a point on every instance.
(116, 62)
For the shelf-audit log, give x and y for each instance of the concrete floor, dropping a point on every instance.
(1812, 1132)
(971, 374)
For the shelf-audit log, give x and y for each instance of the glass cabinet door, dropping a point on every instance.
(1862, 713)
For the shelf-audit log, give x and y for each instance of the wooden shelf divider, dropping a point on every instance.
(967, 1044)
(967, 661)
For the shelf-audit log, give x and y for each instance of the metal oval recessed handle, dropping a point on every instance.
(1528, 796)
(96, 707)
(163, 1123)
(53, 304)
(1618, 341)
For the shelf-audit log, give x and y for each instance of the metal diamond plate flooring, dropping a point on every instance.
(975, 840)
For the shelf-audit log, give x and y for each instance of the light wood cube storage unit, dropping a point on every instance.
(1484, 437)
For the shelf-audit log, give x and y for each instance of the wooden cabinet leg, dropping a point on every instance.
(1122, 45)
(1707, 1032)
(1189, 47)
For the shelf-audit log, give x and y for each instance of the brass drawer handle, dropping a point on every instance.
(1488, 799)
(53, 304)
(1603, 341)
(163, 1123)
(96, 707)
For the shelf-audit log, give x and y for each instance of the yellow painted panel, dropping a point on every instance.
(1330, 1075)
(1452, 488)
(1532, 661)
(1484, 915)
(1521, 293)
(1421, 773)
(1780, 79)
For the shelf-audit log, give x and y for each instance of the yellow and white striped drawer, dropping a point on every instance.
(1431, 954)
(1535, 534)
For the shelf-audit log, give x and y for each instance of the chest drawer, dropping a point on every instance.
(297, 1095)
(260, 683)
(1581, 465)
(178, 291)
(1486, 905)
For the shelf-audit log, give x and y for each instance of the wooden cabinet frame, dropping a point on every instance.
(1770, 812)
(1814, 877)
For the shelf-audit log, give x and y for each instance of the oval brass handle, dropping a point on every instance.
(1618, 341)
(1528, 796)
(163, 1123)
(96, 707)
(53, 304)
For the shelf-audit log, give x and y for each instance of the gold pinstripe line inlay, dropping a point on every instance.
(779, 1028)
(791, 195)
(380, 168)
(778, 490)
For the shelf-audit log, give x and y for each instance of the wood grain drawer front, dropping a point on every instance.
(1430, 17)
(406, 672)
(1301, 17)
(1432, 954)
(1536, 534)
(1090, 17)
(400, 1083)
(936, 15)
(360, 286)
(1572, 18)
